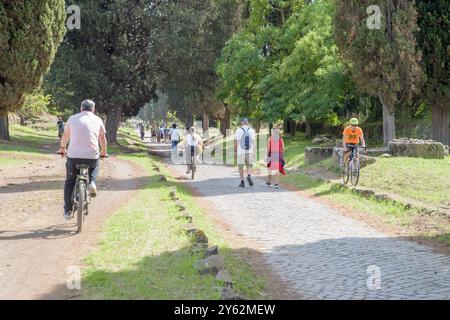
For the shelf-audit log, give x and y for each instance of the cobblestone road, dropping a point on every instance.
(318, 251)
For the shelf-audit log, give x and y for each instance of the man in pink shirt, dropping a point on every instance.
(85, 131)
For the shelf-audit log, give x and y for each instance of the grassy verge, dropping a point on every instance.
(144, 254)
(424, 180)
(26, 144)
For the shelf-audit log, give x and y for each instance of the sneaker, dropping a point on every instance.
(67, 215)
(268, 184)
(93, 189)
(242, 185)
(277, 186)
(250, 182)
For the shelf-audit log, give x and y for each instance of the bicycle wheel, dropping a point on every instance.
(81, 205)
(346, 173)
(355, 172)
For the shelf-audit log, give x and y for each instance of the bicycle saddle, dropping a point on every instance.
(82, 166)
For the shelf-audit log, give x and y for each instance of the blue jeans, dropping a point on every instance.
(174, 144)
(71, 177)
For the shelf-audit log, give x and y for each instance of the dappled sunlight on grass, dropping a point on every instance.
(144, 254)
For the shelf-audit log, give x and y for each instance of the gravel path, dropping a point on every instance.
(317, 250)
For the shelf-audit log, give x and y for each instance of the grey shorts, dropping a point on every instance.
(246, 159)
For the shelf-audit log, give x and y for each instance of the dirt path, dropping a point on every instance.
(36, 244)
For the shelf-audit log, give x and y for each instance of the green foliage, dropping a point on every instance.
(301, 78)
(385, 62)
(30, 33)
(35, 105)
(108, 60)
(434, 41)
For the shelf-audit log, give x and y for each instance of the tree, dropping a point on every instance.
(190, 38)
(433, 40)
(385, 62)
(30, 33)
(308, 81)
(108, 60)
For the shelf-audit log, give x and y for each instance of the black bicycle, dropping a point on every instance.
(81, 197)
(352, 167)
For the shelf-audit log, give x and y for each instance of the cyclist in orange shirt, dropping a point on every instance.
(352, 136)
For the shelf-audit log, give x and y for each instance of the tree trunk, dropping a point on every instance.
(205, 122)
(270, 128)
(293, 127)
(388, 123)
(308, 129)
(440, 123)
(257, 126)
(189, 122)
(225, 122)
(4, 127)
(112, 123)
(286, 126)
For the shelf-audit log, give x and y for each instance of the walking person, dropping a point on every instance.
(142, 130)
(244, 150)
(275, 158)
(60, 125)
(175, 136)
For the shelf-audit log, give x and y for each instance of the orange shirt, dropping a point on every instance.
(352, 135)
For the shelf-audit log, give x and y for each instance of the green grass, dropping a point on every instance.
(426, 180)
(26, 144)
(144, 254)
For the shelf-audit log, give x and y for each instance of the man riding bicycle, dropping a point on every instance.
(85, 131)
(194, 146)
(351, 138)
(60, 125)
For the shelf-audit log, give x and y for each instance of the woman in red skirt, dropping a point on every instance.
(275, 159)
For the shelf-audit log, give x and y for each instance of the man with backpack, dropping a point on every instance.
(244, 149)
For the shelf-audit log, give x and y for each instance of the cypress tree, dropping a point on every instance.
(434, 42)
(30, 33)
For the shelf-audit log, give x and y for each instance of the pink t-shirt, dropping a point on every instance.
(84, 129)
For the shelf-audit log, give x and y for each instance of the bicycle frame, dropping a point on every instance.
(82, 176)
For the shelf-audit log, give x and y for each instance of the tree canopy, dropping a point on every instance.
(30, 33)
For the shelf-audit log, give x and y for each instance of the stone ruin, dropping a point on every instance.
(406, 147)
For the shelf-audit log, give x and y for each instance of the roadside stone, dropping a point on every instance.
(162, 179)
(190, 229)
(180, 207)
(173, 196)
(386, 155)
(225, 277)
(186, 217)
(210, 265)
(321, 139)
(366, 160)
(211, 251)
(382, 197)
(317, 154)
(198, 237)
(229, 294)
(407, 147)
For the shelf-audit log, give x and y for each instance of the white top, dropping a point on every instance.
(84, 128)
(174, 134)
(192, 140)
(239, 136)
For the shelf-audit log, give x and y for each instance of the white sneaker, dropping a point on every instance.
(93, 189)
(67, 215)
